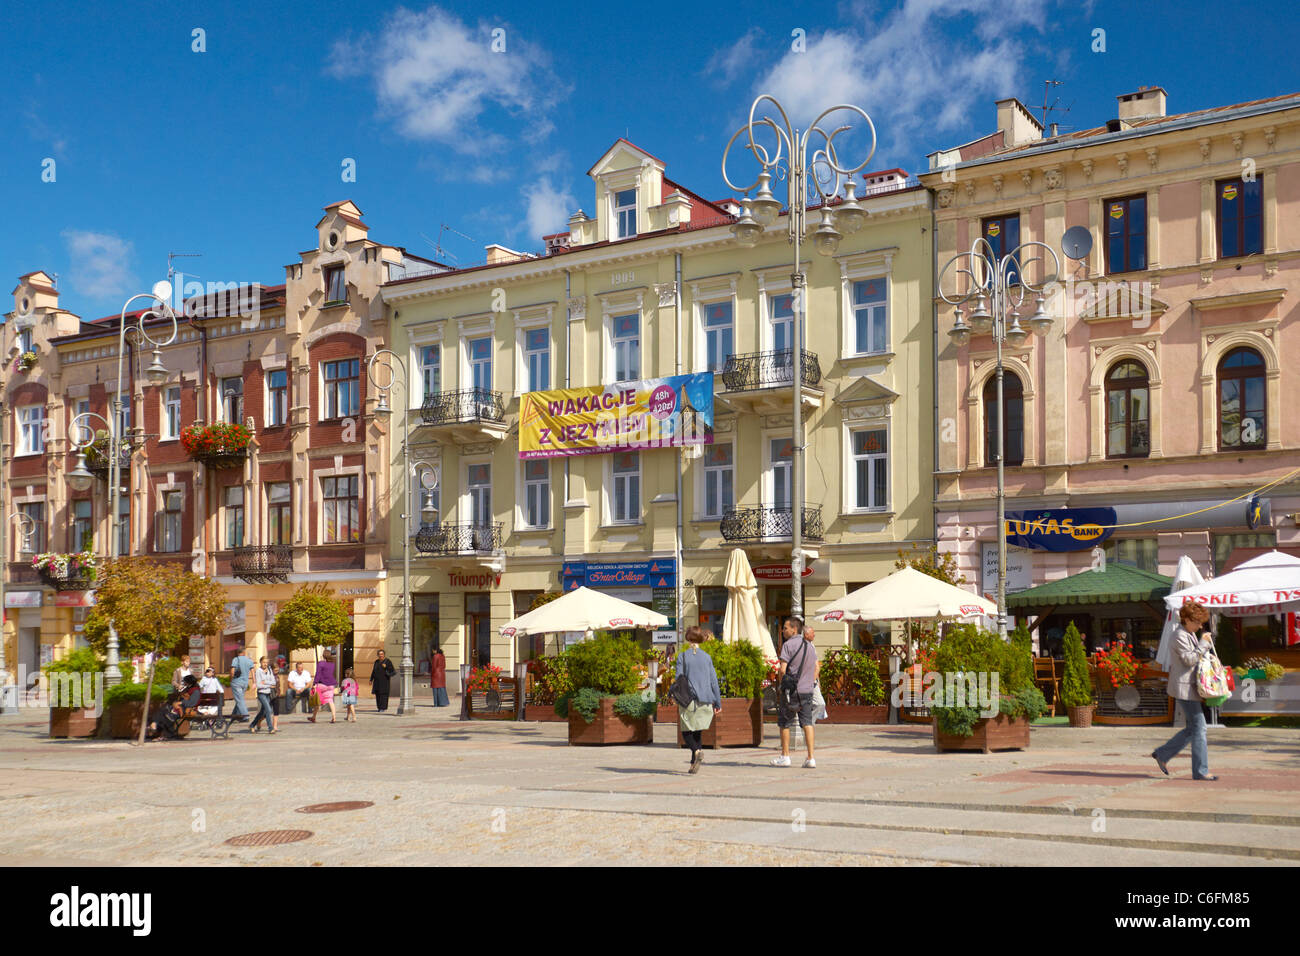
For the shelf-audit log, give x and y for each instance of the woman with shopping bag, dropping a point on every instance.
(1186, 657)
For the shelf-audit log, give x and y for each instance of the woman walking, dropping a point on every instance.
(380, 676)
(323, 686)
(697, 716)
(1187, 653)
(267, 685)
(438, 677)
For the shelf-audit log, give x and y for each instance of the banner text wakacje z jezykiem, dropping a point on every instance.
(653, 413)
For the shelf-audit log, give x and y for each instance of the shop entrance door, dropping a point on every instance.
(29, 654)
(478, 623)
(777, 608)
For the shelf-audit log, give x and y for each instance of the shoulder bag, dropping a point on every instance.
(790, 682)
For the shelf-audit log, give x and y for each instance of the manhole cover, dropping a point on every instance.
(338, 807)
(270, 838)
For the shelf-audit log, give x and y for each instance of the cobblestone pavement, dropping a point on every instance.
(443, 792)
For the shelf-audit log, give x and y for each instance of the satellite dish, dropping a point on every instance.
(1076, 243)
(162, 291)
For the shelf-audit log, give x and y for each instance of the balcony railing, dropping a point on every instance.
(465, 537)
(768, 524)
(265, 564)
(82, 580)
(463, 407)
(223, 459)
(744, 373)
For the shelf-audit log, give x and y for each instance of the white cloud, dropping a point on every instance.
(437, 78)
(549, 209)
(731, 62)
(100, 264)
(922, 69)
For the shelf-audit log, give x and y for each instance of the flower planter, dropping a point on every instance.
(1081, 716)
(72, 722)
(1154, 706)
(666, 714)
(542, 712)
(124, 719)
(609, 728)
(739, 725)
(856, 714)
(991, 733)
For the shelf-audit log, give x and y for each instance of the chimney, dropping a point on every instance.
(1147, 103)
(1016, 123)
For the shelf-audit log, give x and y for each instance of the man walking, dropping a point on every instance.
(799, 657)
(240, 668)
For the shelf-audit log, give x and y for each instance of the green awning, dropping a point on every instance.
(1118, 584)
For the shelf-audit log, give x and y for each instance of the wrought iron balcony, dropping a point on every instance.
(265, 564)
(224, 459)
(744, 373)
(464, 537)
(470, 405)
(79, 580)
(769, 524)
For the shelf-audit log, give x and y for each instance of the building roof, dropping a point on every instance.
(1118, 584)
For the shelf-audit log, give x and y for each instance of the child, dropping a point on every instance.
(350, 695)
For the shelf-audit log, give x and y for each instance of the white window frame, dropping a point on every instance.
(532, 319)
(615, 341)
(423, 352)
(547, 494)
(269, 397)
(25, 343)
(875, 264)
(40, 540)
(31, 430)
(610, 478)
(616, 212)
(702, 483)
(851, 460)
(422, 336)
(703, 295)
(124, 424)
(621, 302)
(320, 475)
(465, 501)
(326, 394)
(72, 523)
(171, 424)
(769, 472)
(265, 504)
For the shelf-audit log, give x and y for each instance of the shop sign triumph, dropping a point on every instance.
(1060, 529)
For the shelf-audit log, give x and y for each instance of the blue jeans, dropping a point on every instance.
(263, 710)
(237, 690)
(1195, 732)
(295, 696)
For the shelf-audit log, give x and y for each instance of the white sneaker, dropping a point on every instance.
(810, 764)
(780, 761)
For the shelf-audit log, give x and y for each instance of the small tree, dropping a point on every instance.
(313, 617)
(1019, 671)
(1076, 685)
(545, 598)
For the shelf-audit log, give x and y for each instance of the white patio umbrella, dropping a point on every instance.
(1268, 584)
(1187, 575)
(583, 609)
(743, 620)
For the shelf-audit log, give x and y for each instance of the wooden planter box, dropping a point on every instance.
(72, 722)
(739, 725)
(991, 733)
(856, 714)
(542, 712)
(498, 703)
(666, 714)
(124, 719)
(1155, 706)
(609, 728)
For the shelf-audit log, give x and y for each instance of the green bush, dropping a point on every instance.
(608, 664)
(82, 661)
(1018, 671)
(1027, 702)
(851, 677)
(740, 667)
(1076, 685)
(966, 649)
(129, 691)
(634, 706)
(586, 701)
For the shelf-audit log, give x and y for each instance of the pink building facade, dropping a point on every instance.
(1167, 383)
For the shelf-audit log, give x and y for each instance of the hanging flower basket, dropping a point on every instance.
(25, 362)
(66, 572)
(219, 445)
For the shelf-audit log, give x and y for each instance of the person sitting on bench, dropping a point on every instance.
(182, 705)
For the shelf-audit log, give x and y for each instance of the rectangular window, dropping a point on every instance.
(537, 494)
(431, 369)
(31, 430)
(335, 289)
(1241, 217)
(871, 316)
(1135, 552)
(234, 504)
(25, 341)
(478, 480)
(626, 468)
(719, 334)
(123, 525)
(342, 509)
(83, 525)
(31, 534)
(782, 452)
(1225, 544)
(277, 397)
(870, 469)
(480, 364)
(171, 413)
(627, 347)
(167, 525)
(279, 516)
(537, 358)
(124, 414)
(1126, 234)
(1003, 234)
(342, 388)
(232, 400)
(719, 479)
(625, 213)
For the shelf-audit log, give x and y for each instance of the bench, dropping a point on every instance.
(217, 724)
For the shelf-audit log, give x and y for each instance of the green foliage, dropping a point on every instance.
(740, 667)
(1018, 669)
(1076, 685)
(311, 618)
(561, 704)
(851, 677)
(154, 605)
(552, 679)
(1027, 702)
(967, 647)
(608, 664)
(586, 702)
(129, 691)
(634, 706)
(83, 661)
(956, 721)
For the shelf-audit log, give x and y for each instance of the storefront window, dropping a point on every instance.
(713, 608)
(1140, 553)
(529, 647)
(424, 630)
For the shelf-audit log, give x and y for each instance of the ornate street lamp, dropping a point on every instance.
(818, 177)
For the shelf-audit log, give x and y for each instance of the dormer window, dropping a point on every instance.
(625, 213)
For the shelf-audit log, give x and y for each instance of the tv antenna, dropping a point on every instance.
(439, 252)
(171, 269)
(1050, 105)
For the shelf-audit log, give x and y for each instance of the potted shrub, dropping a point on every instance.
(967, 652)
(1076, 685)
(550, 680)
(74, 683)
(124, 707)
(741, 671)
(851, 684)
(607, 705)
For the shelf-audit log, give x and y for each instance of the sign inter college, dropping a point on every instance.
(660, 573)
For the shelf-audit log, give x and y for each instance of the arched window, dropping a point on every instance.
(1128, 411)
(1242, 404)
(1013, 429)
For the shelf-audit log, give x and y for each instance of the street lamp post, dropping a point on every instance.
(821, 178)
(999, 287)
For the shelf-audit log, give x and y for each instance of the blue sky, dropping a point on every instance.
(232, 152)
